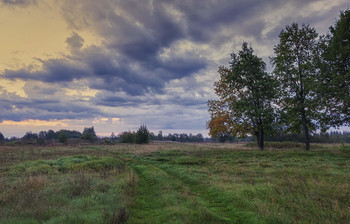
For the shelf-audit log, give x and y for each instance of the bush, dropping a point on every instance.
(127, 137)
(30, 136)
(62, 137)
(2, 138)
(89, 134)
(142, 135)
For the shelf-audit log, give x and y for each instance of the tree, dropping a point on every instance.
(89, 134)
(30, 136)
(334, 82)
(160, 135)
(127, 137)
(245, 92)
(113, 137)
(142, 135)
(220, 125)
(296, 71)
(63, 137)
(41, 137)
(50, 134)
(2, 138)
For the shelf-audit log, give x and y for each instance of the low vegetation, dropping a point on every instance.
(175, 183)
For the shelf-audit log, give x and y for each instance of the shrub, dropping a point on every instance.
(142, 135)
(127, 137)
(2, 138)
(89, 134)
(62, 137)
(30, 136)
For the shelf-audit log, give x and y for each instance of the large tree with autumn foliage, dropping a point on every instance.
(245, 91)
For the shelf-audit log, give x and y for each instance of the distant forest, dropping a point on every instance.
(89, 136)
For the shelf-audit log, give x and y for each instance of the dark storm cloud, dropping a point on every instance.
(16, 108)
(135, 36)
(111, 99)
(111, 69)
(53, 70)
(138, 33)
(204, 19)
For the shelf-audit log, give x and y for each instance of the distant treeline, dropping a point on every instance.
(143, 136)
(51, 136)
(183, 137)
(140, 136)
(329, 137)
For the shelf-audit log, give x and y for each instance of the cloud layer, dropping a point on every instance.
(156, 61)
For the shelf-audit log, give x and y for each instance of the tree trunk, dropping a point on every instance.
(257, 135)
(260, 135)
(261, 138)
(261, 131)
(306, 129)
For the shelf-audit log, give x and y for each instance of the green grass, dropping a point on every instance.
(175, 183)
(66, 164)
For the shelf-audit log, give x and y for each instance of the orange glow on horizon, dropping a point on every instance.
(35, 123)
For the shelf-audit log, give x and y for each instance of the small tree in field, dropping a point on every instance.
(30, 136)
(2, 138)
(127, 137)
(63, 137)
(142, 135)
(89, 134)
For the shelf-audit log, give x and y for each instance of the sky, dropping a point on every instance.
(118, 64)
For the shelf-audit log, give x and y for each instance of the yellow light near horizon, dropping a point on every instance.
(115, 119)
(35, 123)
(87, 92)
(102, 120)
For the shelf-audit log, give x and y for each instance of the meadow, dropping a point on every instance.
(175, 183)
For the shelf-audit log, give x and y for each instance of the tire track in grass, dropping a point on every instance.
(161, 198)
(214, 198)
(165, 196)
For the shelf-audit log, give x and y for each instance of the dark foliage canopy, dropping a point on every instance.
(334, 80)
(245, 92)
(142, 135)
(89, 134)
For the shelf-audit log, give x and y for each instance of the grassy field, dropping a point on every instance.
(175, 183)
